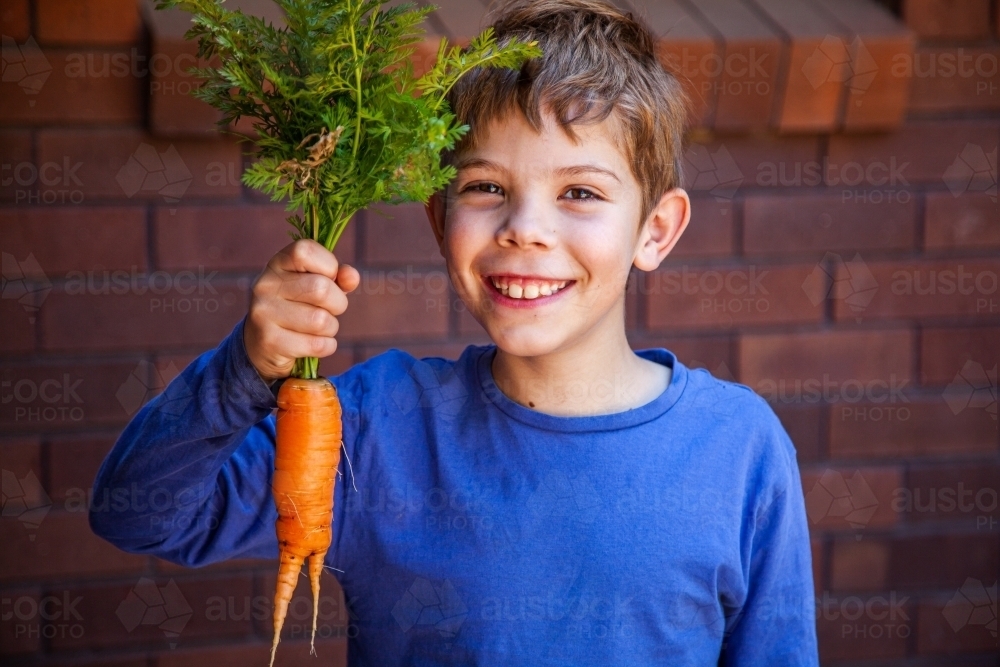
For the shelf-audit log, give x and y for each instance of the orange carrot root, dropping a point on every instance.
(305, 468)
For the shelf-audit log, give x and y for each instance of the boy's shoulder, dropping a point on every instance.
(729, 404)
(408, 380)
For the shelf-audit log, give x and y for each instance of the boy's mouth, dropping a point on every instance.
(524, 290)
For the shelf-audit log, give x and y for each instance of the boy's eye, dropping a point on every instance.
(582, 194)
(486, 188)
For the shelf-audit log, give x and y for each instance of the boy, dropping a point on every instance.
(553, 498)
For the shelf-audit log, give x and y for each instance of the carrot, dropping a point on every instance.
(307, 454)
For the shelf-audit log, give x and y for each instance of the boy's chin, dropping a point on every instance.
(530, 341)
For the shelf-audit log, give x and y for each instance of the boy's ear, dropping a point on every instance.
(663, 228)
(435, 215)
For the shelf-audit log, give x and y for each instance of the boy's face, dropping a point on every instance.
(535, 215)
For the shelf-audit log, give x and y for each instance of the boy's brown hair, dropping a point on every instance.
(598, 61)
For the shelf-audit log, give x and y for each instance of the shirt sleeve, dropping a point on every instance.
(189, 478)
(777, 623)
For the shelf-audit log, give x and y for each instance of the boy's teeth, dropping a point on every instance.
(533, 290)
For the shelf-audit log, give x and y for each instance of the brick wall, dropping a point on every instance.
(842, 261)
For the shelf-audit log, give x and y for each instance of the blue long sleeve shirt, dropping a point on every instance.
(471, 530)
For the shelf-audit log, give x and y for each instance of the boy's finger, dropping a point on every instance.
(307, 256)
(314, 289)
(348, 278)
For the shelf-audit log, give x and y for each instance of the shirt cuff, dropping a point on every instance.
(246, 374)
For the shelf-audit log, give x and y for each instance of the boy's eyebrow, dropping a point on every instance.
(483, 163)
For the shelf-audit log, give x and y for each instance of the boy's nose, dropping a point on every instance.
(527, 225)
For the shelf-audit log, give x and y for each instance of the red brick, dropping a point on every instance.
(841, 357)
(21, 631)
(966, 221)
(880, 634)
(83, 87)
(829, 222)
(173, 110)
(956, 557)
(390, 302)
(399, 235)
(20, 323)
(709, 352)
(23, 458)
(15, 19)
(920, 151)
(936, 636)
(803, 425)
(810, 97)
(682, 47)
(208, 599)
(818, 565)
(248, 566)
(944, 352)
(950, 79)
(929, 289)
(745, 79)
(960, 492)
(875, 40)
(73, 465)
(948, 19)
(79, 238)
(762, 160)
(332, 652)
(722, 297)
(17, 178)
(467, 324)
(223, 237)
(910, 430)
(63, 396)
(710, 231)
(859, 566)
(136, 659)
(87, 21)
(826, 504)
(461, 19)
(338, 362)
(47, 556)
(187, 314)
(211, 168)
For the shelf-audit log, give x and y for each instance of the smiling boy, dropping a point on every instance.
(553, 498)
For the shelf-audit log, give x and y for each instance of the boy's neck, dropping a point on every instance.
(599, 374)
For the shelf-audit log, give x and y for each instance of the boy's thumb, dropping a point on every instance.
(348, 278)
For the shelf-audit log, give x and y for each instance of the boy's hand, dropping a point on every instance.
(294, 308)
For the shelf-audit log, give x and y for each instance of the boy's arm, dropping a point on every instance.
(777, 624)
(189, 478)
